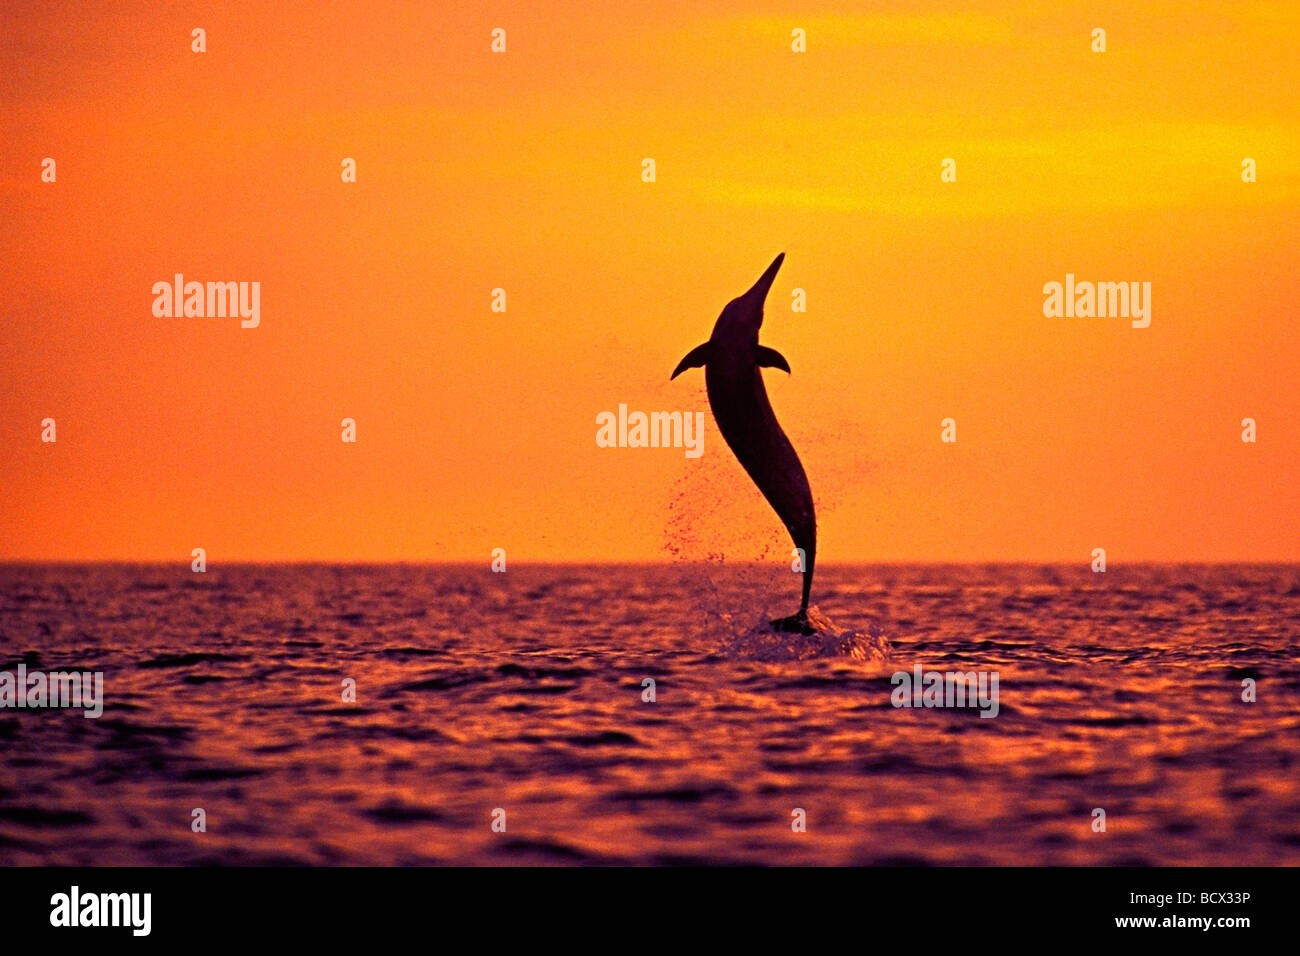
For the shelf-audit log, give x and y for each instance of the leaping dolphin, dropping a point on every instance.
(732, 358)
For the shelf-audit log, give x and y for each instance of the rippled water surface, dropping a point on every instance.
(523, 691)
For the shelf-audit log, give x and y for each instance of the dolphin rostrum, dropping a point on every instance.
(732, 358)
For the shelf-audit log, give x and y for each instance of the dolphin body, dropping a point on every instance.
(732, 358)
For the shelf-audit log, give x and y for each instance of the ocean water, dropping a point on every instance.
(523, 692)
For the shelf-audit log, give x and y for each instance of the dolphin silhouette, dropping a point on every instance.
(732, 358)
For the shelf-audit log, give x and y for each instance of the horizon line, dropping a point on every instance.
(429, 562)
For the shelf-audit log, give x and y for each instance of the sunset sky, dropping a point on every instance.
(523, 170)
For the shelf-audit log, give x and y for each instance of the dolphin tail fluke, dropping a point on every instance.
(695, 358)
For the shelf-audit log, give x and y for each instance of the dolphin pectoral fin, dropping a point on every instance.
(765, 357)
(695, 358)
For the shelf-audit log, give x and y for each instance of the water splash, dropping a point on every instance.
(736, 561)
(761, 642)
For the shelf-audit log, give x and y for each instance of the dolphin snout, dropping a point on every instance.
(759, 290)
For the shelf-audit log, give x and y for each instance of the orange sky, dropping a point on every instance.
(523, 171)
